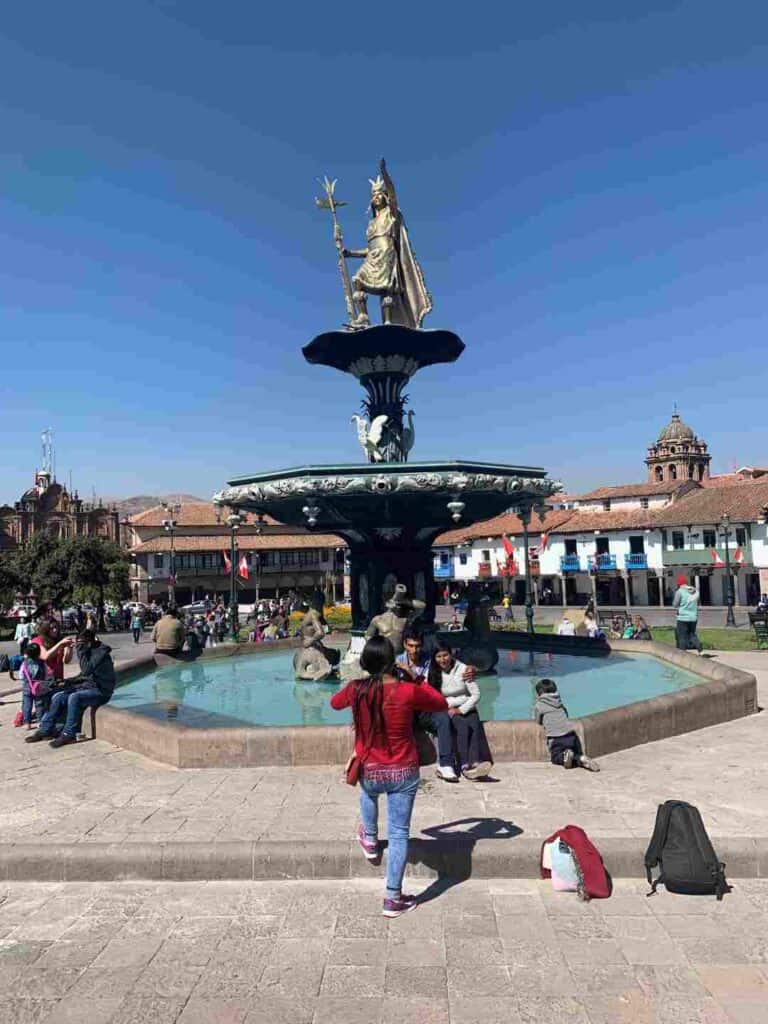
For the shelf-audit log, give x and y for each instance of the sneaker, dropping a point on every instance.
(394, 908)
(36, 737)
(589, 764)
(568, 759)
(478, 771)
(446, 773)
(62, 740)
(369, 847)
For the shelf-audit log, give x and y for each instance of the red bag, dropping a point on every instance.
(595, 882)
(18, 719)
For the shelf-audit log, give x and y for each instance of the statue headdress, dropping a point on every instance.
(378, 186)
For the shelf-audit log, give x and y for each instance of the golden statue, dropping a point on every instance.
(390, 268)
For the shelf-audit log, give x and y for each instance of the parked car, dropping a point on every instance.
(196, 608)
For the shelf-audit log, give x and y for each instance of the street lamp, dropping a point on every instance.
(234, 520)
(169, 525)
(726, 535)
(524, 515)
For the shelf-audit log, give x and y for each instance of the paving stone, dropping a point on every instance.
(489, 980)
(281, 1010)
(168, 981)
(484, 1010)
(138, 1009)
(353, 981)
(415, 1011)
(357, 926)
(334, 1010)
(461, 950)
(550, 1010)
(78, 1010)
(421, 982)
(25, 1011)
(661, 983)
(420, 952)
(357, 951)
(214, 1011)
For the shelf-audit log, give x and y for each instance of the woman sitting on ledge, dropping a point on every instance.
(460, 689)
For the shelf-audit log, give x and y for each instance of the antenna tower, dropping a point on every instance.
(48, 454)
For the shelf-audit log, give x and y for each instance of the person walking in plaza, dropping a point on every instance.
(92, 688)
(383, 709)
(686, 601)
(450, 677)
(137, 624)
(168, 635)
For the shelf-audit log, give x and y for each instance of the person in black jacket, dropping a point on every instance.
(91, 688)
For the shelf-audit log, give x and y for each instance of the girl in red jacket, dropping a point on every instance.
(383, 708)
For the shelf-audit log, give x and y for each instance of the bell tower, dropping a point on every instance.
(678, 454)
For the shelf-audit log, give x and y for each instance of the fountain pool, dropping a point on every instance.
(260, 689)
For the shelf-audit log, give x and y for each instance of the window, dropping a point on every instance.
(637, 545)
(462, 558)
(690, 470)
(710, 539)
(601, 545)
(673, 472)
(444, 558)
(158, 562)
(659, 474)
(607, 505)
(741, 536)
(486, 556)
(643, 503)
(570, 547)
(678, 540)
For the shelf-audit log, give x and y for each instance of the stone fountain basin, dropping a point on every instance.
(723, 694)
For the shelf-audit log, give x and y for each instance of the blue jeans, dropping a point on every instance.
(74, 703)
(40, 705)
(400, 797)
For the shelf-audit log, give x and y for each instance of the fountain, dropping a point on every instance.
(242, 704)
(389, 510)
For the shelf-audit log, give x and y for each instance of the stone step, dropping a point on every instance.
(516, 857)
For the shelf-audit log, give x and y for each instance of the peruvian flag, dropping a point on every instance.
(738, 556)
(716, 559)
(242, 568)
(544, 541)
(227, 564)
(509, 548)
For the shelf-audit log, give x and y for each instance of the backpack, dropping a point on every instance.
(594, 882)
(684, 853)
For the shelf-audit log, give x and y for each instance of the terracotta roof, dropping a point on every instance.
(201, 513)
(587, 522)
(634, 490)
(506, 523)
(245, 542)
(743, 504)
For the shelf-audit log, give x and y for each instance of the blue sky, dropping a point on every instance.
(584, 184)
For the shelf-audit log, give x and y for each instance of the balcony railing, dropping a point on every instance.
(602, 562)
(570, 563)
(484, 570)
(739, 554)
(443, 570)
(636, 561)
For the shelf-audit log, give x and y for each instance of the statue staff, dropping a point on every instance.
(331, 203)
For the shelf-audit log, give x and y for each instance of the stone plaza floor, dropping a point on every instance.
(94, 792)
(502, 952)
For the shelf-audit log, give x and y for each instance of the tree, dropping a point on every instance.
(41, 566)
(98, 567)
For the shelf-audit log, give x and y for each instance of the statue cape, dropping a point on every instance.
(414, 301)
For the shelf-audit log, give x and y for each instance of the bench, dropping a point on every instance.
(760, 627)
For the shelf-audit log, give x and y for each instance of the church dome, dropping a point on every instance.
(676, 430)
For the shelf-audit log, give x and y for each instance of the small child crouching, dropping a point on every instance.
(564, 745)
(36, 685)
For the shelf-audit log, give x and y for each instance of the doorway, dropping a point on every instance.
(705, 590)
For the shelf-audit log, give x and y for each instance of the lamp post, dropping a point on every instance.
(169, 525)
(525, 518)
(234, 520)
(726, 535)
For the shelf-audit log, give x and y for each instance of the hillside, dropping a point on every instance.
(141, 502)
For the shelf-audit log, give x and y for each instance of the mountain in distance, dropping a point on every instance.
(141, 502)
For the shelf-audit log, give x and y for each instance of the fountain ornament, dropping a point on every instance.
(388, 510)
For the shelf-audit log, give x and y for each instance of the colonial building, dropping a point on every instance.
(627, 545)
(47, 507)
(195, 551)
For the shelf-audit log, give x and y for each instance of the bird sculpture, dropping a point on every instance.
(408, 435)
(370, 434)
